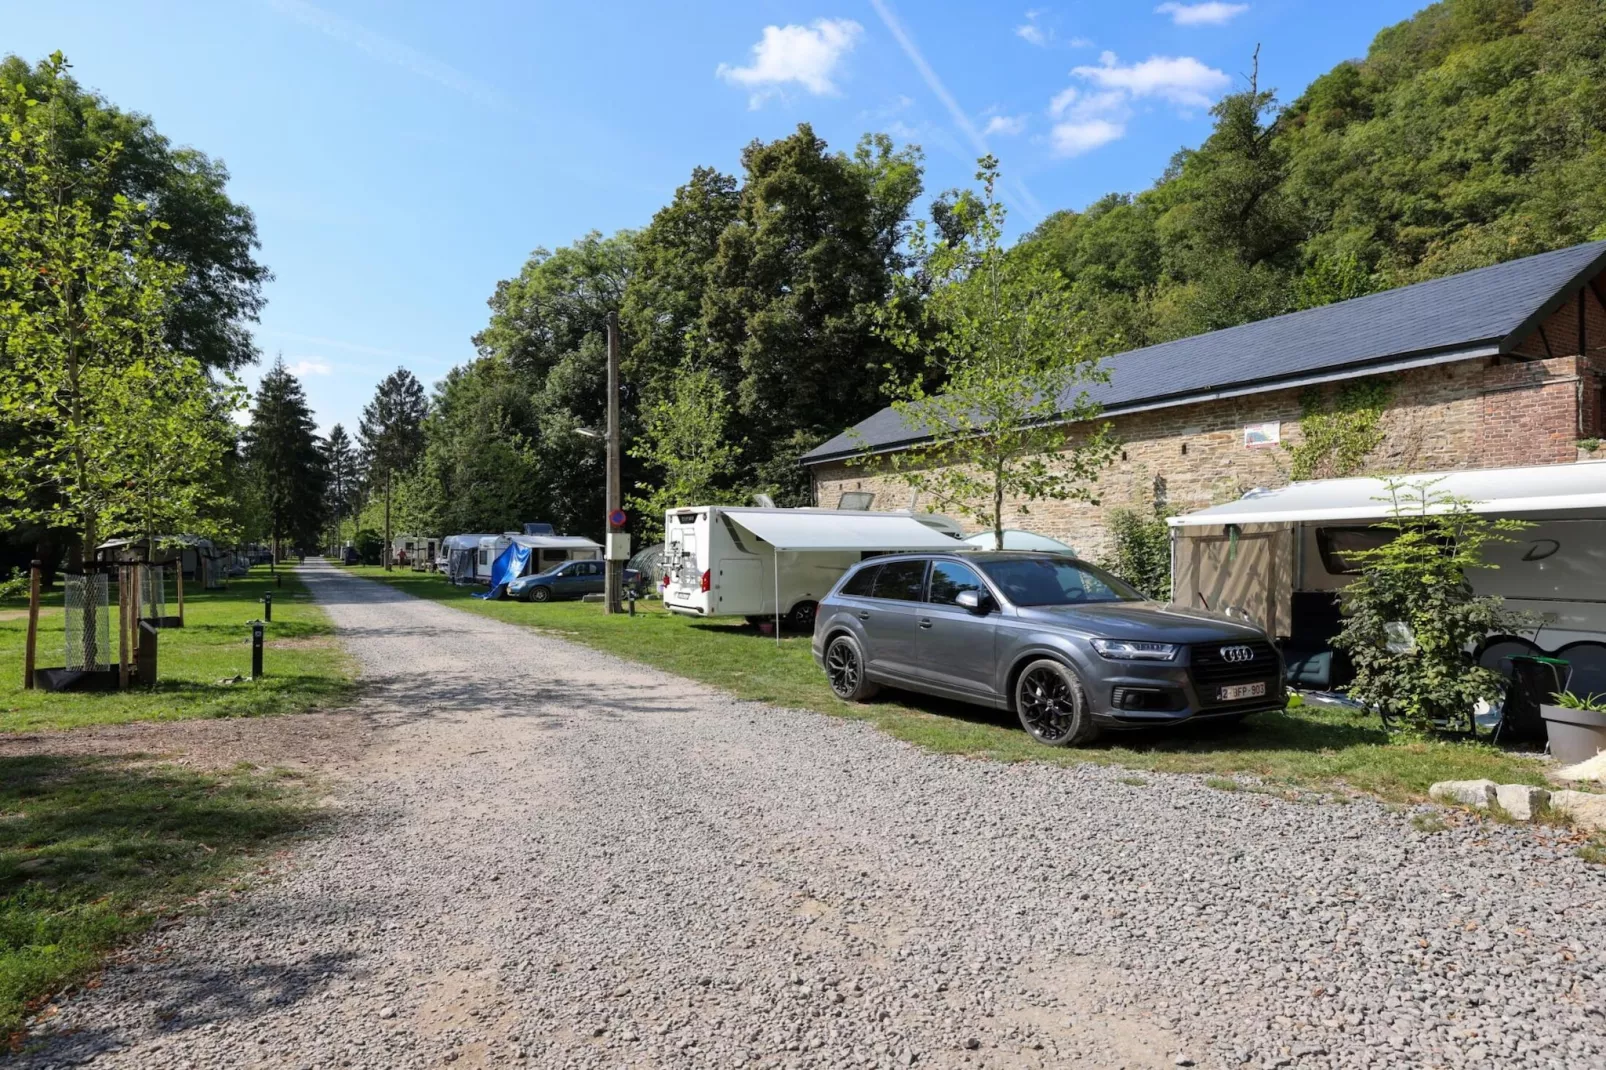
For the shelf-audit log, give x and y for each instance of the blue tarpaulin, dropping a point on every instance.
(508, 566)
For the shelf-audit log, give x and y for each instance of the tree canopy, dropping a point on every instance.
(285, 461)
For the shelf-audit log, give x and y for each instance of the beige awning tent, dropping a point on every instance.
(1244, 567)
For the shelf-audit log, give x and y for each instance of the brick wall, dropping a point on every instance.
(1487, 413)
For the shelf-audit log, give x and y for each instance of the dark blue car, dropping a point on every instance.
(572, 579)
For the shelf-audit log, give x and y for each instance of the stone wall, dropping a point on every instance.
(1486, 413)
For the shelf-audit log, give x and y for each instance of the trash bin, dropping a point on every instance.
(1533, 680)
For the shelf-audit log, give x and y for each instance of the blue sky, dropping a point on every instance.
(401, 158)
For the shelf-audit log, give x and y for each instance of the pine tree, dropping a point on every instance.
(391, 434)
(342, 458)
(286, 460)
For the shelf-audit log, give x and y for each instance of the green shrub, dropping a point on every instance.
(370, 546)
(1143, 549)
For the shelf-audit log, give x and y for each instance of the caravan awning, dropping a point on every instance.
(1542, 489)
(787, 529)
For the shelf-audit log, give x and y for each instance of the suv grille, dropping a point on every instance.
(1208, 664)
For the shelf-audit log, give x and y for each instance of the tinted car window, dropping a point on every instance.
(1056, 581)
(948, 578)
(860, 583)
(901, 580)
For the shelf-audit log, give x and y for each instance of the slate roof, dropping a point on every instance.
(1490, 310)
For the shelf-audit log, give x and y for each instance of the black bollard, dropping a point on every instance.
(630, 596)
(278, 579)
(267, 606)
(256, 649)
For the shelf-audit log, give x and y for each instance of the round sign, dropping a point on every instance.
(617, 518)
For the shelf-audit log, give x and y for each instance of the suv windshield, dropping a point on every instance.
(1056, 581)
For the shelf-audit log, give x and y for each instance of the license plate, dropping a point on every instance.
(1238, 691)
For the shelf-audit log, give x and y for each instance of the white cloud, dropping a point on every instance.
(1086, 119)
(1075, 138)
(306, 366)
(1005, 125)
(1032, 34)
(1209, 13)
(806, 55)
(387, 50)
(1182, 80)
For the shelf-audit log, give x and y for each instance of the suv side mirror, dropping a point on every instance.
(974, 601)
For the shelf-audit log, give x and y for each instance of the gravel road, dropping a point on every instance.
(552, 858)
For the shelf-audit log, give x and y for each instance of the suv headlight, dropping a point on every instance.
(1134, 650)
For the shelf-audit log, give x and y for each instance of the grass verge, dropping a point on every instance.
(304, 664)
(94, 850)
(1305, 746)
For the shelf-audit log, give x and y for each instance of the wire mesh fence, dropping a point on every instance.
(150, 585)
(88, 621)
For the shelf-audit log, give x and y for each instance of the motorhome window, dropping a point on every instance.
(861, 582)
(485, 557)
(1338, 547)
(948, 578)
(901, 581)
(855, 499)
(736, 534)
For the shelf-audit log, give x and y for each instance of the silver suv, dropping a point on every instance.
(1067, 646)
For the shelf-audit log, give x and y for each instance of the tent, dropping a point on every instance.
(1019, 540)
(509, 565)
(461, 552)
(803, 530)
(1257, 552)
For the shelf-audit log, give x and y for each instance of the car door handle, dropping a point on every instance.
(925, 622)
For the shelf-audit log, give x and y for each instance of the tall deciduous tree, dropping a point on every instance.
(1001, 333)
(107, 428)
(286, 461)
(392, 434)
(213, 239)
(684, 442)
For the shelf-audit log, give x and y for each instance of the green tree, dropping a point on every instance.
(789, 315)
(107, 428)
(391, 433)
(481, 469)
(286, 461)
(1015, 361)
(344, 476)
(683, 441)
(208, 235)
(1411, 615)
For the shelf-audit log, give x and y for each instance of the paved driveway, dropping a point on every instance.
(553, 858)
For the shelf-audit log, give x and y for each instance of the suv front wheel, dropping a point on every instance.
(1052, 704)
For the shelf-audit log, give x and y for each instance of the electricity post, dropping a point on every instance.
(613, 566)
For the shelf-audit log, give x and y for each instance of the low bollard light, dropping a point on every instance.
(256, 649)
(267, 606)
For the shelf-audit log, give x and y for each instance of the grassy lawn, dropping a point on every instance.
(303, 664)
(94, 850)
(1304, 747)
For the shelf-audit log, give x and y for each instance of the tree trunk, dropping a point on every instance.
(387, 520)
(998, 513)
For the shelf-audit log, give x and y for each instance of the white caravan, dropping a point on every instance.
(545, 551)
(1279, 556)
(736, 561)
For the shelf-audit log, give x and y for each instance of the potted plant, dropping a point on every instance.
(1576, 726)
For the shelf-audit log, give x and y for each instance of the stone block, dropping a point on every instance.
(1479, 793)
(1521, 800)
(1586, 809)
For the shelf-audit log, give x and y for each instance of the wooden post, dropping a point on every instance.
(122, 626)
(613, 571)
(33, 628)
(181, 589)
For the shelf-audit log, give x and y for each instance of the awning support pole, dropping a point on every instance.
(775, 552)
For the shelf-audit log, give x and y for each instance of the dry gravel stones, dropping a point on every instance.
(553, 858)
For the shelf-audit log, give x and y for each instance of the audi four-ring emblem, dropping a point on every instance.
(1238, 654)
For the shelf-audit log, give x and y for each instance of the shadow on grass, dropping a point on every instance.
(93, 849)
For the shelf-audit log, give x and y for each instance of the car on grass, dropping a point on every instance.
(572, 579)
(1067, 647)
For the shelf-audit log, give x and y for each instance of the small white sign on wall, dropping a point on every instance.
(1264, 434)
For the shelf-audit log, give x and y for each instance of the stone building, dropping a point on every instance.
(1497, 367)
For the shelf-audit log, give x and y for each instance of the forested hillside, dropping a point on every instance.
(1472, 133)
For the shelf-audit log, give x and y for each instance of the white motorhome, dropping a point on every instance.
(1279, 556)
(420, 551)
(462, 554)
(724, 561)
(545, 552)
